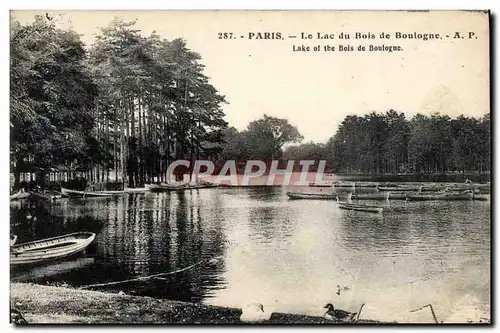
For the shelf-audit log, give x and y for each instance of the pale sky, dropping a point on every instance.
(316, 90)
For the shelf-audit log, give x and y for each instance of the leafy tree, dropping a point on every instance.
(269, 134)
(163, 106)
(52, 97)
(263, 139)
(388, 143)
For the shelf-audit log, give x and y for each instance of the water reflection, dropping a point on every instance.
(289, 255)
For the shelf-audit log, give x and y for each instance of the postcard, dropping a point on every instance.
(250, 167)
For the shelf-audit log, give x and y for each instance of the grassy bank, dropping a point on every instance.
(47, 304)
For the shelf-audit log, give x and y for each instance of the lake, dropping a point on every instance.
(289, 255)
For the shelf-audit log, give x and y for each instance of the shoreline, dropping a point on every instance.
(41, 304)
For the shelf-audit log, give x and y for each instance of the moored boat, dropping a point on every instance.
(371, 196)
(50, 248)
(136, 189)
(397, 195)
(440, 196)
(113, 192)
(480, 197)
(164, 187)
(170, 188)
(343, 184)
(361, 208)
(483, 188)
(305, 195)
(368, 185)
(321, 184)
(398, 188)
(13, 239)
(84, 194)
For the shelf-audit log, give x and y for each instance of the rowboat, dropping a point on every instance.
(343, 184)
(397, 188)
(83, 194)
(170, 188)
(13, 239)
(136, 189)
(198, 187)
(484, 188)
(305, 195)
(112, 192)
(371, 196)
(361, 208)
(321, 184)
(21, 194)
(478, 197)
(440, 196)
(50, 248)
(371, 185)
(164, 187)
(475, 189)
(397, 195)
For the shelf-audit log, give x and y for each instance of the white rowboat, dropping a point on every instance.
(50, 248)
(361, 208)
(304, 195)
(81, 194)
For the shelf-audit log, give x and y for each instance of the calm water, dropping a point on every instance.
(289, 255)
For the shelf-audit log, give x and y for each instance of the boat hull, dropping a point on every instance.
(136, 190)
(480, 197)
(84, 194)
(367, 185)
(397, 196)
(445, 197)
(361, 208)
(380, 197)
(312, 196)
(50, 249)
(397, 189)
(166, 188)
(112, 192)
(348, 185)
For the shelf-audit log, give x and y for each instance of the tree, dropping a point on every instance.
(52, 97)
(388, 143)
(263, 139)
(162, 105)
(395, 147)
(268, 135)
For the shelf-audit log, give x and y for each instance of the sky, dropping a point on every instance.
(316, 90)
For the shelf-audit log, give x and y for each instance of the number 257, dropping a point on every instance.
(225, 35)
